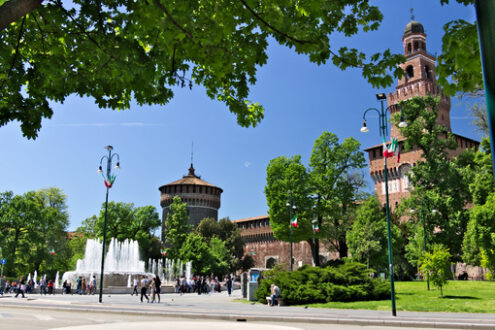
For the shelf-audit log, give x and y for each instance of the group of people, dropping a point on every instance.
(154, 285)
(81, 286)
(203, 284)
(199, 284)
(21, 286)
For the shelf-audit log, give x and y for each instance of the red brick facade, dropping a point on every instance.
(418, 81)
(267, 250)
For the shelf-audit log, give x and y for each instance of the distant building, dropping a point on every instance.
(419, 80)
(202, 198)
(267, 251)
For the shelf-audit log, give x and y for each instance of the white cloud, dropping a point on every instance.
(127, 124)
(247, 164)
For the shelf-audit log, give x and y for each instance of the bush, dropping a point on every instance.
(347, 282)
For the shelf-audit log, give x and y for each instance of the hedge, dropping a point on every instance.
(347, 282)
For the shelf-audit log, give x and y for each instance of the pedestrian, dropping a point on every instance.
(135, 285)
(93, 285)
(78, 285)
(228, 283)
(42, 286)
(158, 284)
(152, 290)
(3, 284)
(199, 284)
(64, 287)
(20, 287)
(50, 287)
(144, 288)
(83, 286)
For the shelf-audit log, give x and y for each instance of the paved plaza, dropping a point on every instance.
(212, 311)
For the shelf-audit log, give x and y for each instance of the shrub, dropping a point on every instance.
(347, 282)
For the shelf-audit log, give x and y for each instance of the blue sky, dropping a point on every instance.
(301, 101)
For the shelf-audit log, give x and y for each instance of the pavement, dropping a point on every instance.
(221, 307)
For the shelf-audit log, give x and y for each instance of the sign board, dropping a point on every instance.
(3, 261)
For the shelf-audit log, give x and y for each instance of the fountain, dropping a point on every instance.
(57, 285)
(121, 261)
(35, 275)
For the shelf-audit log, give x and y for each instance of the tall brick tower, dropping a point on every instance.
(419, 80)
(202, 198)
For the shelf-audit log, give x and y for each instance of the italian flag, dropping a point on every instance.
(316, 229)
(392, 149)
(293, 221)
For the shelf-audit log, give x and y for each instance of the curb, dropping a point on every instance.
(257, 318)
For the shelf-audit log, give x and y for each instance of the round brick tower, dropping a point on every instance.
(202, 198)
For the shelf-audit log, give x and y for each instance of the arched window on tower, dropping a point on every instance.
(409, 72)
(409, 48)
(427, 72)
(416, 46)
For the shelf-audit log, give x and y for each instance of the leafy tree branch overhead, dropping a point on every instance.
(118, 50)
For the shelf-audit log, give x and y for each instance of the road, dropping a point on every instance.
(216, 311)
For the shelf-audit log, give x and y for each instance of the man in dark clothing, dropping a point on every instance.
(20, 287)
(199, 284)
(144, 288)
(158, 284)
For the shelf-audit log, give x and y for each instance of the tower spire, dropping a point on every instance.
(412, 14)
(192, 152)
(191, 169)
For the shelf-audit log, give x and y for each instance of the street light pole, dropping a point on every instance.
(382, 122)
(109, 180)
(424, 236)
(291, 206)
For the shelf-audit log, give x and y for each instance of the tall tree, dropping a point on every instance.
(479, 243)
(438, 179)
(327, 190)
(367, 238)
(114, 51)
(177, 227)
(31, 226)
(227, 232)
(335, 185)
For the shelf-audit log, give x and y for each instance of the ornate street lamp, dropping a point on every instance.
(383, 129)
(109, 179)
(316, 229)
(291, 206)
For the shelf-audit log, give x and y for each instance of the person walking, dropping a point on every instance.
(228, 284)
(78, 285)
(135, 285)
(158, 284)
(152, 290)
(144, 288)
(42, 286)
(20, 287)
(93, 285)
(3, 284)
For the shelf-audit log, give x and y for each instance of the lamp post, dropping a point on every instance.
(383, 125)
(291, 206)
(109, 179)
(314, 225)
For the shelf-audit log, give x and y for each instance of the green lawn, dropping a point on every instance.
(458, 296)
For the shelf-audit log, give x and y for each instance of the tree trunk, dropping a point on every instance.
(343, 249)
(315, 250)
(14, 9)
